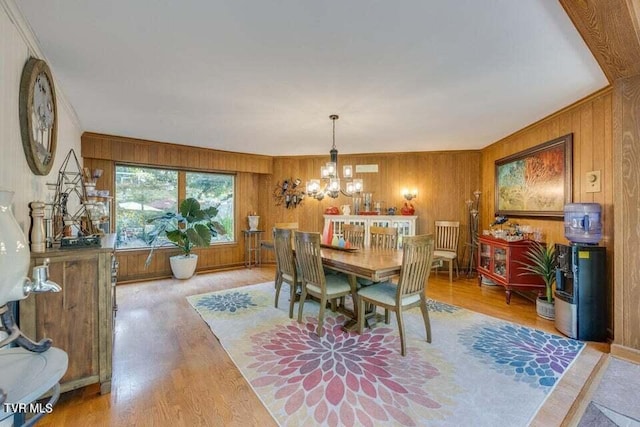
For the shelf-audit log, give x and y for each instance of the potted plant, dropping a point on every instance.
(542, 262)
(188, 228)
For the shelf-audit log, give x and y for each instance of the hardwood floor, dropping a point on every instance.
(169, 369)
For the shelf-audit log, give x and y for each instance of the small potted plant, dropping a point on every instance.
(541, 261)
(190, 227)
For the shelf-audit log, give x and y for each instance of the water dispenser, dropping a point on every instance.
(582, 223)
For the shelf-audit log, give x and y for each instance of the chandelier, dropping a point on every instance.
(329, 183)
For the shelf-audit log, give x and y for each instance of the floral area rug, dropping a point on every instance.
(477, 371)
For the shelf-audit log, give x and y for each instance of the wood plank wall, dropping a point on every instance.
(627, 143)
(590, 121)
(104, 151)
(140, 151)
(444, 180)
(610, 29)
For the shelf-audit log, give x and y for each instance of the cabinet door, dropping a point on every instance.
(499, 261)
(381, 223)
(338, 227)
(404, 229)
(485, 256)
(69, 317)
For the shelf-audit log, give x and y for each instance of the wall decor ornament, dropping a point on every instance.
(289, 193)
(38, 116)
(535, 182)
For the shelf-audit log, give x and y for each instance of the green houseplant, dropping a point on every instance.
(541, 261)
(188, 228)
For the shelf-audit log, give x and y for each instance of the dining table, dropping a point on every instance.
(375, 264)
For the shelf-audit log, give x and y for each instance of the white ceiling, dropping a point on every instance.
(263, 76)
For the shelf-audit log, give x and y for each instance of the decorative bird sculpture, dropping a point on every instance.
(499, 220)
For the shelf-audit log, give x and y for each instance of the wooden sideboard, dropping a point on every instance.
(405, 224)
(499, 260)
(80, 318)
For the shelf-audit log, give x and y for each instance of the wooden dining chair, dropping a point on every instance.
(417, 253)
(383, 237)
(446, 246)
(287, 225)
(314, 281)
(354, 234)
(286, 270)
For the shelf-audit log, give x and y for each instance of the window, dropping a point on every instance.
(214, 190)
(142, 193)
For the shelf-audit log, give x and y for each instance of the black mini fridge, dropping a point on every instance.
(581, 292)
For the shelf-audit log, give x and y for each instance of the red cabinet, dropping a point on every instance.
(499, 260)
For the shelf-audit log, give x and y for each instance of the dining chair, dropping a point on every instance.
(446, 248)
(383, 237)
(314, 281)
(417, 253)
(287, 225)
(354, 234)
(286, 270)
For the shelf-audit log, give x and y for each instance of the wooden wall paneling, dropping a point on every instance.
(626, 131)
(132, 150)
(609, 30)
(589, 121)
(585, 153)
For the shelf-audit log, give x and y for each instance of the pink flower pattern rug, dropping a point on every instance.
(477, 371)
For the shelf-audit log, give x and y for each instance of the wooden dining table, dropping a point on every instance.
(369, 263)
(373, 264)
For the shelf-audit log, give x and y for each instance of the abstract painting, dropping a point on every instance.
(537, 181)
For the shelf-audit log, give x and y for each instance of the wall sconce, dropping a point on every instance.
(409, 194)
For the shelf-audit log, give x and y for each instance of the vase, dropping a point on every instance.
(545, 309)
(15, 256)
(183, 266)
(253, 222)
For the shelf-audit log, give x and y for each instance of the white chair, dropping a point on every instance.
(314, 282)
(410, 290)
(447, 234)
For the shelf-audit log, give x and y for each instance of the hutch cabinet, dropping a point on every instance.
(499, 260)
(80, 318)
(405, 224)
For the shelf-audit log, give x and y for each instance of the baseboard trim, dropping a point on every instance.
(627, 353)
(565, 402)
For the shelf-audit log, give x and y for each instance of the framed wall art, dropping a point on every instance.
(536, 182)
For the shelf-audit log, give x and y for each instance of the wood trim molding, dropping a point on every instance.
(154, 153)
(609, 28)
(627, 353)
(586, 99)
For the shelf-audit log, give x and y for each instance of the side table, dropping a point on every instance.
(252, 240)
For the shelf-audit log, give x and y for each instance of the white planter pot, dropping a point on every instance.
(182, 266)
(546, 310)
(253, 222)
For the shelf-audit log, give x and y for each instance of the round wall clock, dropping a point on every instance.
(38, 116)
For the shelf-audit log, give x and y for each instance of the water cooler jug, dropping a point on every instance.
(581, 275)
(581, 292)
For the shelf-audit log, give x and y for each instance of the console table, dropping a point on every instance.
(499, 260)
(406, 224)
(80, 318)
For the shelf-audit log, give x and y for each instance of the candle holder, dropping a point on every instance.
(471, 245)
